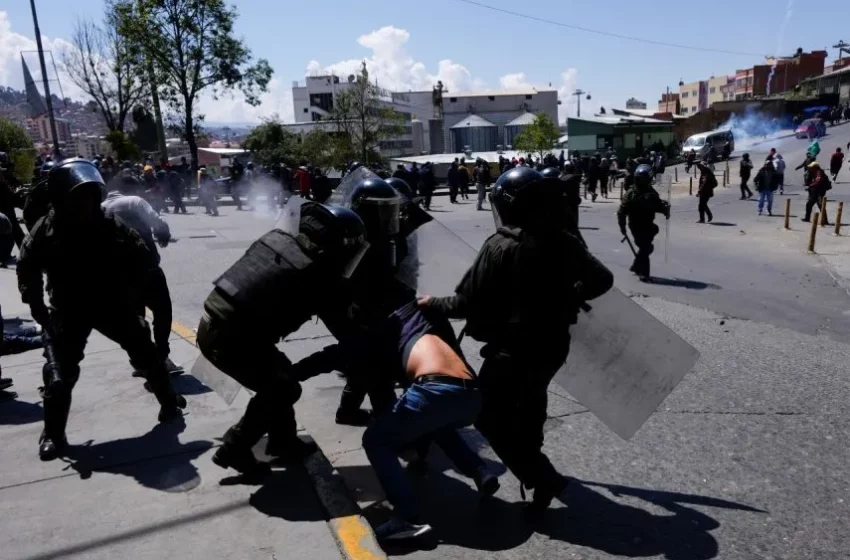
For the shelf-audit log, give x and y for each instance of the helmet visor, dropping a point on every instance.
(77, 175)
(381, 215)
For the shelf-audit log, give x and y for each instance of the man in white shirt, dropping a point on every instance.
(139, 215)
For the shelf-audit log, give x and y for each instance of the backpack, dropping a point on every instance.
(827, 184)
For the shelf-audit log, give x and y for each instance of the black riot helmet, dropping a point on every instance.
(354, 165)
(338, 232)
(401, 186)
(378, 204)
(46, 167)
(75, 185)
(550, 173)
(569, 167)
(643, 176)
(161, 175)
(524, 197)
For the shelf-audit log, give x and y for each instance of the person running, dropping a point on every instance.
(746, 168)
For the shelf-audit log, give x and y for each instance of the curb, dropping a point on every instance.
(353, 534)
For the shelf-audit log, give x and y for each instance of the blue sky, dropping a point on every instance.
(408, 43)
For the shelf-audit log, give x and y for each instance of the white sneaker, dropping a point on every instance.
(397, 529)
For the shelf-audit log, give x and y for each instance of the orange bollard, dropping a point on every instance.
(787, 213)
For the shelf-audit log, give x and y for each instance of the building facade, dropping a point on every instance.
(669, 103)
(718, 89)
(498, 107)
(778, 75)
(39, 129)
(693, 97)
(627, 136)
(633, 103)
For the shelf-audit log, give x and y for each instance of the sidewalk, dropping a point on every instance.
(133, 488)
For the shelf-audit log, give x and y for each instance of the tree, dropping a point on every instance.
(18, 146)
(144, 135)
(122, 146)
(363, 120)
(539, 137)
(191, 43)
(272, 144)
(107, 67)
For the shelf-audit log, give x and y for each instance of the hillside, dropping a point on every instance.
(13, 106)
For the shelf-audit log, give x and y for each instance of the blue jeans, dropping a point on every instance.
(431, 409)
(766, 195)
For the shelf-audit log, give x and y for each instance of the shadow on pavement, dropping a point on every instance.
(591, 519)
(723, 224)
(155, 460)
(684, 283)
(284, 495)
(188, 384)
(15, 412)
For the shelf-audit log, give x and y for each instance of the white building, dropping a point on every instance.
(633, 103)
(424, 131)
(497, 107)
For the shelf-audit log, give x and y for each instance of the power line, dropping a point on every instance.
(605, 33)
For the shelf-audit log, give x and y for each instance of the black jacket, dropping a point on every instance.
(524, 290)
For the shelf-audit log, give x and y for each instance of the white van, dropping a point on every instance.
(701, 143)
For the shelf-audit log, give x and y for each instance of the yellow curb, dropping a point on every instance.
(353, 533)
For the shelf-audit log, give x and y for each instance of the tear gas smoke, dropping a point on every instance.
(754, 125)
(782, 27)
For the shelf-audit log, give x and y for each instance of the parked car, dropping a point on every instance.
(702, 143)
(811, 128)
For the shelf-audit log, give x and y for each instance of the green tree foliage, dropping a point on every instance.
(144, 135)
(271, 144)
(107, 67)
(193, 47)
(362, 120)
(122, 146)
(539, 137)
(17, 144)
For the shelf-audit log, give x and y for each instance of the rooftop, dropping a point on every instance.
(619, 119)
(473, 121)
(497, 92)
(524, 119)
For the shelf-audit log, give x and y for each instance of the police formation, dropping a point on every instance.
(351, 262)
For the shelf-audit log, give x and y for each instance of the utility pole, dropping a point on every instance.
(53, 134)
(578, 93)
(842, 48)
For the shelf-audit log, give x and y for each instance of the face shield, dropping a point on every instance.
(381, 216)
(353, 251)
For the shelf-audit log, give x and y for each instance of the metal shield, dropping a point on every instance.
(225, 386)
(289, 217)
(623, 362)
(341, 196)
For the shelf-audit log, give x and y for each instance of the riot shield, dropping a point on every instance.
(224, 386)
(289, 218)
(341, 196)
(623, 362)
(666, 184)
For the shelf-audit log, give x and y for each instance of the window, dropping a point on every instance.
(712, 90)
(685, 95)
(528, 97)
(306, 110)
(452, 99)
(694, 93)
(491, 97)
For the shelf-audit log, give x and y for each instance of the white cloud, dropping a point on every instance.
(11, 73)
(395, 69)
(232, 107)
(515, 81)
(569, 81)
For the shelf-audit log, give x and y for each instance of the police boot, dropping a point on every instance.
(237, 455)
(57, 405)
(171, 404)
(545, 492)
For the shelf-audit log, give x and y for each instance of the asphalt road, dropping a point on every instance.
(746, 459)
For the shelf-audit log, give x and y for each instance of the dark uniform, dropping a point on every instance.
(520, 297)
(280, 282)
(389, 219)
(639, 206)
(96, 270)
(9, 199)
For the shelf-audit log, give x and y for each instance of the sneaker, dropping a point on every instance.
(398, 529)
(805, 220)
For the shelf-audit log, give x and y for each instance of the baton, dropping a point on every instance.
(632, 247)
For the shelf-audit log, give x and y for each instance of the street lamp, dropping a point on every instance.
(578, 93)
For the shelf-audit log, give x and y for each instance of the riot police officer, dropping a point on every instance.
(281, 281)
(520, 297)
(639, 206)
(96, 270)
(377, 292)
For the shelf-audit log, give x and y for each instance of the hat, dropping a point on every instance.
(814, 164)
(148, 168)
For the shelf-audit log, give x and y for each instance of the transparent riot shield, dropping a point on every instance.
(623, 362)
(289, 218)
(224, 386)
(341, 196)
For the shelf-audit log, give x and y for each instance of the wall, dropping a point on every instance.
(692, 97)
(715, 89)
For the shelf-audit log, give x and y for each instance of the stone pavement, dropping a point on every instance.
(133, 488)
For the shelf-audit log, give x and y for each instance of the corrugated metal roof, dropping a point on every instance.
(474, 121)
(524, 119)
(620, 120)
